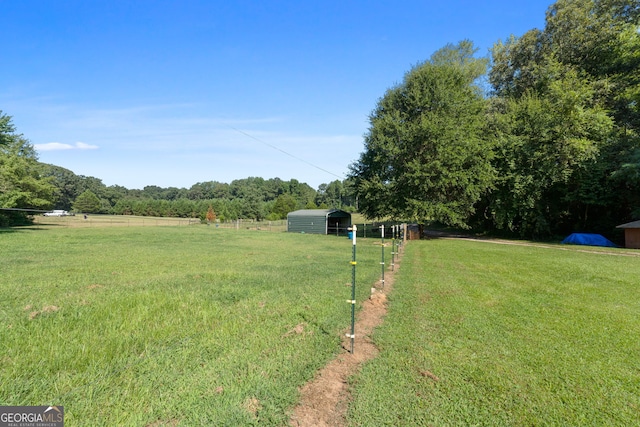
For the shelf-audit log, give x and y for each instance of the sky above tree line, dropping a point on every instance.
(172, 93)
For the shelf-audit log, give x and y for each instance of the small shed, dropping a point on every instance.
(318, 221)
(631, 234)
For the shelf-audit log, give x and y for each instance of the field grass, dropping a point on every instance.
(101, 221)
(500, 335)
(366, 228)
(171, 325)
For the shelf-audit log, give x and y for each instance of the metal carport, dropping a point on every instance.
(318, 221)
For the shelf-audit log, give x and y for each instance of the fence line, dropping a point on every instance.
(96, 220)
(371, 229)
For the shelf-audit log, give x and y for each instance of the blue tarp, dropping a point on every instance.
(589, 240)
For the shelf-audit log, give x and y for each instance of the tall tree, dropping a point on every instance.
(541, 143)
(87, 202)
(211, 215)
(331, 195)
(67, 185)
(578, 80)
(284, 204)
(22, 185)
(426, 156)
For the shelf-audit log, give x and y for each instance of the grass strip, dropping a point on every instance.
(502, 335)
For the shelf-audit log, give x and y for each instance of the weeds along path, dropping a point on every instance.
(325, 399)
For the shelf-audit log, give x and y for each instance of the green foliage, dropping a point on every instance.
(541, 143)
(554, 152)
(586, 33)
(566, 121)
(626, 178)
(87, 202)
(21, 182)
(335, 195)
(251, 198)
(284, 204)
(426, 156)
(500, 335)
(66, 183)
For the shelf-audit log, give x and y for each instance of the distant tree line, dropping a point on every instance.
(26, 183)
(249, 198)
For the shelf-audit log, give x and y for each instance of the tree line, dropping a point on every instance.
(540, 139)
(250, 198)
(26, 183)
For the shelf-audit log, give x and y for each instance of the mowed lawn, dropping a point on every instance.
(501, 335)
(172, 325)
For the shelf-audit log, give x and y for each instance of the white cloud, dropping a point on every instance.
(58, 146)
(84, 146)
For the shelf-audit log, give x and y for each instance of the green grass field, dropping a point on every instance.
(102, 221)
(500, 335)
(171, 325)
(153, 326)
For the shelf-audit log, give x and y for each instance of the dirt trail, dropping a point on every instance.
(324, 400)
(433, 234)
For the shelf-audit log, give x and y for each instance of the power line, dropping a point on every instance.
(284, 152)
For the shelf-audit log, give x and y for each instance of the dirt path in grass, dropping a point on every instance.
(325, 399)
(431, 234)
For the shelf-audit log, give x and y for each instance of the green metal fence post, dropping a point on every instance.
(354, 230)
(382, 246)
(393, 248)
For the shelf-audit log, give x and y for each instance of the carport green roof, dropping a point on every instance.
(318, 212)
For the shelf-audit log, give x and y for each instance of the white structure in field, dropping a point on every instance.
(57, 213)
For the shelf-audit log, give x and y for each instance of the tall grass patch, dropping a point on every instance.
(484, 334)
(171, 325)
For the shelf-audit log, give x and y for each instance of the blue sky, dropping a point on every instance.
(171, 93)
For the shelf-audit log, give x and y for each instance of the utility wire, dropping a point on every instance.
(284, 152)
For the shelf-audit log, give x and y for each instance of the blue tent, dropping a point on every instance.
(588, 240)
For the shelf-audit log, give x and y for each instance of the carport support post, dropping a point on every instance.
(354, 229)
(382, 246)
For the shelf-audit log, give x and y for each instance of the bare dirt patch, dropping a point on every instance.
(325, 399)
(430, 375)
(45, 309)
(253, 406)
(164, 423)
(295, 331)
